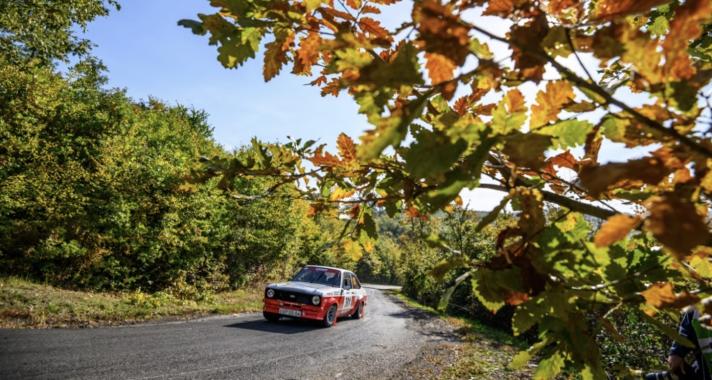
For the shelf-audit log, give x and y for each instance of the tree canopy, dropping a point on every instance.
(447, 113)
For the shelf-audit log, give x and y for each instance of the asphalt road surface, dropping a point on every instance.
(227, 347)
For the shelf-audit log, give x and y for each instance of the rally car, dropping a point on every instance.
(316, 293)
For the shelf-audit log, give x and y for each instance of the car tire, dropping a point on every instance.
(271, 317)
(359, 313)
(329, 317)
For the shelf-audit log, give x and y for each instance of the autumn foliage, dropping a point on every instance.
(448, 101)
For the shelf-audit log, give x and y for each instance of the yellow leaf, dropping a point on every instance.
(615, 229)
(550, 102)
(339, 194)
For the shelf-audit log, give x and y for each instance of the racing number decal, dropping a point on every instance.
(348, 299)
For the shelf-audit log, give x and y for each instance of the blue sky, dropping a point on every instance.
(149, 55)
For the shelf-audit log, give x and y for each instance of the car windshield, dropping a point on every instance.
(317, 275)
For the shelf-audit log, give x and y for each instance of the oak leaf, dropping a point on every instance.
(527, 52)
(650, 170)
(686, 26)
(373, 27)
(441, 31)
(550, 102)
(675, 222)
(347, 148)
(308, 53)
(324, 159)
(661, 295)
(275, 58)
(440, 68)
(608, 9)
(499, 8)
(527, 150)
(614, 229)
(564, 160)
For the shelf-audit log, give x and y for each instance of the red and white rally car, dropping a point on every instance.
(316, 293)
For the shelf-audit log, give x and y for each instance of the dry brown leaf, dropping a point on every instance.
(675, 222)
(615, 229)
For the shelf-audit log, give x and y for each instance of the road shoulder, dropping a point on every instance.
(455, 348)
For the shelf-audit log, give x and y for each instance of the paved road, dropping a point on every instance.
(231, 347)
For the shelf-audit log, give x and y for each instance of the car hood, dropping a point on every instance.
(306, 287)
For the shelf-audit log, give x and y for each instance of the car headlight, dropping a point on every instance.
(270, 293)
(316, 300)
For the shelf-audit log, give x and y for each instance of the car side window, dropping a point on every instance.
(356, 284)
(347, 281)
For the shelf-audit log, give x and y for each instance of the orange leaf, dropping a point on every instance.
(515, 101)
(564, 160)
(499, 8)
(355, 4)
(439, 67)
(275, 58)
(661, 294)
(517, 298)
(370, 9)
(675, 222)
(461, 105)
(324, 159)
(608, 9)
(685, 27)
(549, 103)
(650, 170)
(615, 229)
(374, 27)
(347, 148)
(308, 53)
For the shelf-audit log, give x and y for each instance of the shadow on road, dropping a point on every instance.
(284, 326)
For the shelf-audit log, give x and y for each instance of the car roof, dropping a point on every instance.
(334, 268)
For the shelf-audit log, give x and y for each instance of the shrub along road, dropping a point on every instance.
(384, 344)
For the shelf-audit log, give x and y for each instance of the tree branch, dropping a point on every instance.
(580, 82)
(563, 201)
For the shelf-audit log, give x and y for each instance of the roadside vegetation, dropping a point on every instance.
(25, 304)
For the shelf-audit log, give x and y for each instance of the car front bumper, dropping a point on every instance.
(308, 311)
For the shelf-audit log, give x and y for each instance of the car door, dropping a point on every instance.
(348, 297)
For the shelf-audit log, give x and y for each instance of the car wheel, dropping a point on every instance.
(360, 311)
(271, 317)
(330, 317)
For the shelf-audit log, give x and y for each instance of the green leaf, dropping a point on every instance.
(390, 130)
(441, 153)
(492, 215)
(403, 70)
(522, 358)
(466, 174)
(445, 299)
(549, 367)
(195, 26)
(660, 26)
(504, 121)
(567, 133)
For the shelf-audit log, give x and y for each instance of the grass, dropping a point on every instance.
(486, 351)
(28, 304)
